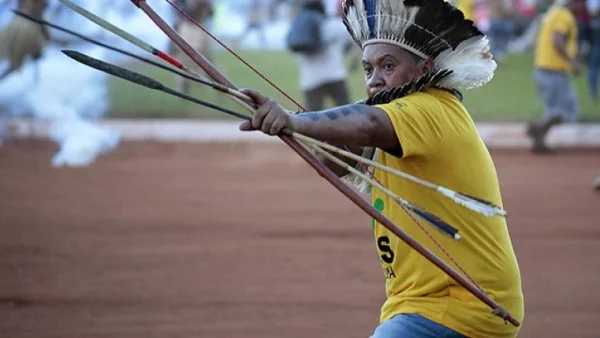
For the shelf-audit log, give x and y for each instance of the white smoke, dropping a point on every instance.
(71, 96)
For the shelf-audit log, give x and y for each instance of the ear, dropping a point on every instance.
(425, 66)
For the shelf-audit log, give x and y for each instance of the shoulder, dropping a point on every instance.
(434, 107)
(561, 13)
(424, 121)
(430, 98)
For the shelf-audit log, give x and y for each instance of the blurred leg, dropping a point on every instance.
(339, 93)
(594, 64)
(584, 38)
(494, 36)
(182, 84)
(314, 99)
(560, 104)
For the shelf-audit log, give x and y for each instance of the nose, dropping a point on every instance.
(375, 83)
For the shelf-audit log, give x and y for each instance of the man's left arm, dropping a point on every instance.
(354, 125)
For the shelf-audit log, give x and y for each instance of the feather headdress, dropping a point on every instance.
(430, 29)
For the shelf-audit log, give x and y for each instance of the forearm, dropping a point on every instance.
(561, 47)
(562, 50)
(351, 125)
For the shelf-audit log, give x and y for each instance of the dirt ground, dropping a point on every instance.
(182, 240)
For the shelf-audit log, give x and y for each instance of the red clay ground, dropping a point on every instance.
(181, 240)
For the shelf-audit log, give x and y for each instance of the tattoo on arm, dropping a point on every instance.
(334, 114)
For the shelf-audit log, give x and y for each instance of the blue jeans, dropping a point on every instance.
(594, 60)
(500, 34)
(413, 326)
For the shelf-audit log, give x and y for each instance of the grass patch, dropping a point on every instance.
(510, 96)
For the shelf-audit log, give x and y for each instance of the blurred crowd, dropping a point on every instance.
(563, 36)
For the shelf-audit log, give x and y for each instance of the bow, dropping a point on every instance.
(292, 141)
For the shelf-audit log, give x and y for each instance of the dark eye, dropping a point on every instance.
(388, 66)
(368, 69)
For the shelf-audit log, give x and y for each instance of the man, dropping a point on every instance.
(501, 27)
(556, 57)
(201, 11)
(425, 131)
(24, 39)
(593, 7)
(256, 21)
(322, 73)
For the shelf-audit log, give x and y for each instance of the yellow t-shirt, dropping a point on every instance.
(558, 20)
(468, 8)
(441, 144)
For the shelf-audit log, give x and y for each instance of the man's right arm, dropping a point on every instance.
(560, 44)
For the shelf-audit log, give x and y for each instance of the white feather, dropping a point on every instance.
(471, 62)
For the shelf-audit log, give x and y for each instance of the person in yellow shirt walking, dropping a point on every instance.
(417, 54)
(555, 58)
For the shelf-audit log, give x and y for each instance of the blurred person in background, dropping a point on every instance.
(351, 50)
(533, 14)
(555, 58)
(259, 10)
(501, 26)
(319, 43)
(584, 36)
(22, 39)
(201, 11)
(593, 7)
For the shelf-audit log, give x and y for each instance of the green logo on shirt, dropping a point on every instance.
(379, 205)
(401, 105)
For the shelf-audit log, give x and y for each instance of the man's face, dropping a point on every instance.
(388, 66)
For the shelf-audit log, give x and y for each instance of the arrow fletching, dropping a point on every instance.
(475, 204)
(440, 225)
